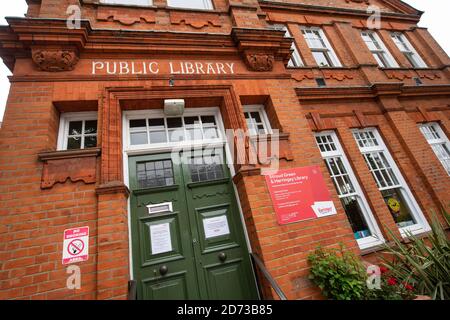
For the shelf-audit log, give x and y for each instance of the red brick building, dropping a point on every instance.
(86, 136)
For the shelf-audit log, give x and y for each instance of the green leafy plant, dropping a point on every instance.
(424, 263)
(338, 273)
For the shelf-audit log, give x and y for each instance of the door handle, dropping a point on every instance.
(163, 270)
(222, 256)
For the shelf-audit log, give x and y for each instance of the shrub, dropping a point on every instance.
(339, 274)
(423, 263)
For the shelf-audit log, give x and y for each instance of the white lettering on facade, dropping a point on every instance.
(153, 67)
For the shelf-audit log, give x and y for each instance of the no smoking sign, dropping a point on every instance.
(76, 245)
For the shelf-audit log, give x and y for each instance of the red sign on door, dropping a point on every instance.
(299, 194)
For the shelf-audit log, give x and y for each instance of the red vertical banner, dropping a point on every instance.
(299, 194)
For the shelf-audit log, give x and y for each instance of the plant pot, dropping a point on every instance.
(423, 298)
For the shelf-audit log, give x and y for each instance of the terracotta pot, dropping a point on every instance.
(423, 298)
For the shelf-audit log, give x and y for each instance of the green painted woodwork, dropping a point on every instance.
(194, 267)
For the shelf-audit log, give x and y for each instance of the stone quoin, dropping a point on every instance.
(128, 125)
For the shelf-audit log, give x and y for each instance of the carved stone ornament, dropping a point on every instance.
(259, 61)
(55, 60)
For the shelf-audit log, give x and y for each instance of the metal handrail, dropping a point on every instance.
(132, 290)
(257, 261)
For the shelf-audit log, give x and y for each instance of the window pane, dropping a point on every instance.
(158, 136)
(356, 217)
(75, 128)
(155, 174)
(138, 124)
(321, 59)
(174, 123)
(256, 117)
(176, 135)
(74, 143)
(136, 2)
(398, 207)
(192, 4)
(156, 124)
(90, 141)
(192, 121)
(90, 127)
(209, 121)
(138, 138)
(211, 133)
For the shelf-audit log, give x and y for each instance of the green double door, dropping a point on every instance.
(187, 236)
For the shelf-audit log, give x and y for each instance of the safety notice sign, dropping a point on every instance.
(299, 194)
(76, 245)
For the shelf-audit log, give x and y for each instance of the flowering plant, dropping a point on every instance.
(391, 288)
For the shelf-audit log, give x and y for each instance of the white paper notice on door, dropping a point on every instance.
(215, 227)
(160, 238)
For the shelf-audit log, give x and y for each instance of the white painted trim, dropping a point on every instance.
(432, 142)
(64, 120)
(129, 2)
(262, 112)
(422, 224)
(389, 57)
(332, 54)
(127, 152)
(377, 236)
(207, 5)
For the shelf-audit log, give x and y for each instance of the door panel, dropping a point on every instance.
(173, 287)
(179, 280)
(227, 281)
(222, 250)
(207, 255)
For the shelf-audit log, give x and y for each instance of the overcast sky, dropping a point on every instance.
(435, 19)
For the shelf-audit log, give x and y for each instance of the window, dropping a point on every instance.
(191, 4)
(320, 47)
(296, 60)
(408, 51)
(257, 121)
(154, 129)
(77, 130)
(438, 142)
(364, 226)
(396, 193)
(206, 165)
(153, 174)
(378, 49)
(130, 2)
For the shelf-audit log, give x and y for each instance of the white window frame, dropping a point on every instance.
(409, 52)
(207, 5)
(169, 146)
(64, 121)
(327, 50)
(296, 60)
(376, 237)
(143, 3)
(441, 140)
(421, 225)
(262, 114)
(388, 60)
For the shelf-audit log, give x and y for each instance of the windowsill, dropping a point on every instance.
(380, 247)
(69, 154)
(405, 68)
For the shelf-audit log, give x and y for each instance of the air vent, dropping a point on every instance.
(418, 81)
(321, 82)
